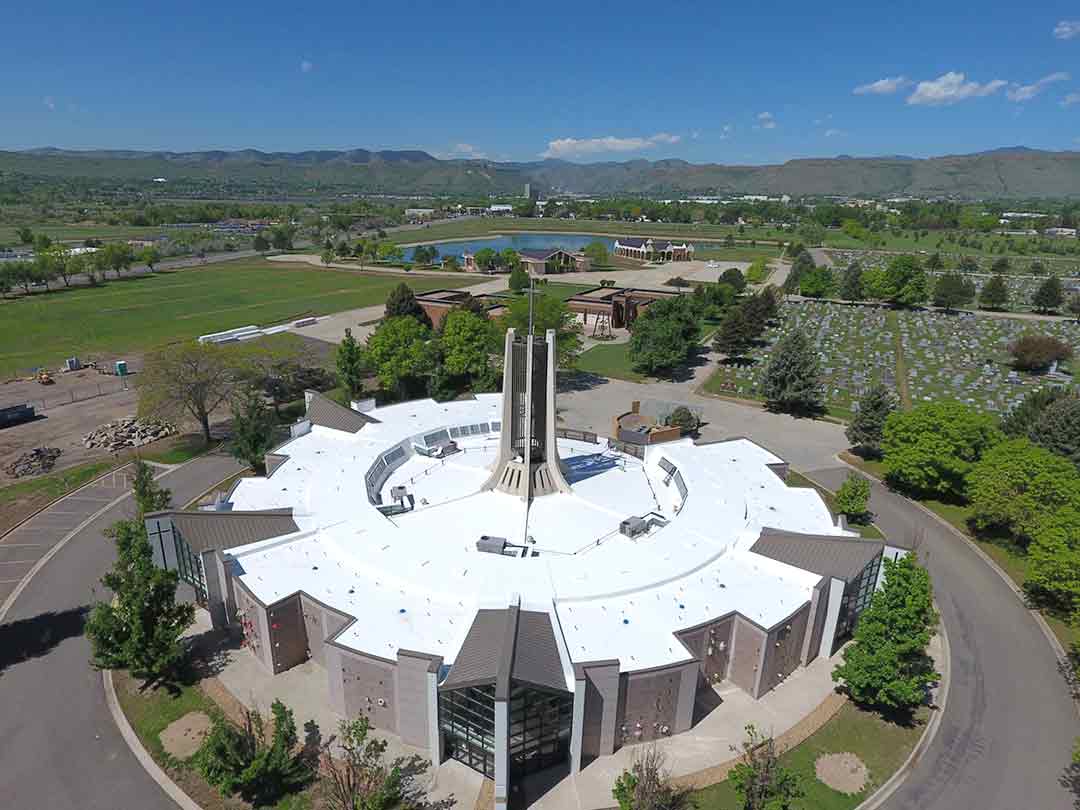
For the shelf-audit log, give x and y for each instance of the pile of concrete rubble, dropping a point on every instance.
(129, 432)
(37, 461)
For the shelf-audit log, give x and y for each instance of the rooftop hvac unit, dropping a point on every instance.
(634, 526)
(398, 493)
(491, 545)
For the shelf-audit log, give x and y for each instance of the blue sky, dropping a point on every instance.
(722, 82)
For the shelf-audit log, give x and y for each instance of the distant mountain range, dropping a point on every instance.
(1007, 172)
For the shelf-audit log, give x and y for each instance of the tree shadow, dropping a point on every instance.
(1070, 780)
(571, 381)
(37, 636)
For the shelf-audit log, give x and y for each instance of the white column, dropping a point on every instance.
(502, 754)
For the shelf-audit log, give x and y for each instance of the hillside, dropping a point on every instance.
(1010, 172)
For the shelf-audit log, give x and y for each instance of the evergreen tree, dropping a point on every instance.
(1019, 421)
(140, 630)
(802, 265)
(253, 427)
(734, 277)
(519, 279)
(952, 290)
(1058, 428)
(734, 336)
(868, 424)
(350, 365)
(402, 302)
(1049, 296)
(1073, 306)
(851, 286)
(792, 379)
(995, 293)
(886, 666)
(149, 496)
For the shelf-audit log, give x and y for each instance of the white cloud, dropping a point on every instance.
(306, 66)
(1070, 99)
(1067, 29)
(883, 87)
(766, 120)
(467, 150)
(576, 147)
(1026, 92)
(725, 131)
(950, 88)
(49, 102)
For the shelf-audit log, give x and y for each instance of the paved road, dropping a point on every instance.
(1009, 722)
(59, 747)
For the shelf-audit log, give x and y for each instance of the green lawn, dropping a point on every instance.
(140, 312)
(881, 745)
(52, 486)
(562, 290)
(79, 232)
(739, 253)
(176, 449)
(609, 360)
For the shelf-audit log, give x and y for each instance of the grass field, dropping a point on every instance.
(140, 312)
(881, 745)
(609, 360)
(68, 233)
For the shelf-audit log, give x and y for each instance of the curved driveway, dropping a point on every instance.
(1009, 721)
(1003, 744)
(59, 746)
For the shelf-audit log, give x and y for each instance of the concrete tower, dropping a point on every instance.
(528, 463)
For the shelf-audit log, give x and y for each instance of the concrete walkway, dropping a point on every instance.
(59, 746)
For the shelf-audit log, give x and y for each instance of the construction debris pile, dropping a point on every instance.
(129, 432)
(37, 461)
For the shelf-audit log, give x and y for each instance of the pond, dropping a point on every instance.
(519, 242)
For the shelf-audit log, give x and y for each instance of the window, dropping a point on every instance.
(540, 723)
(467, 720)
(189, 567)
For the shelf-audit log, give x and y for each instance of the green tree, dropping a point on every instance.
(684, 419)
(150, 256)
(281, 236)
(519, 279)
(116, 256)
(952, 290)
(760, 308)
(140, 629)
(792, 379)
(401, 302)
(486, 260)
(450, 264)
(931, 448)
(886, 665)
(401, 354)
(802, 264)
(390, 253)
(853, 498)
(1053, 561)
(253, 428)
(509, 259)
(851, 285)
(466, 343)
(244, 759)
(597, 254)
(995, 293)
(1049, 296)
(647, 784)
(934, 263)
(548, 313)
(1058, 428)
(875, 284)
(735, 334)
(189, 379)
(1000, 265)
(26, 235)
(1019, 421)
(1015, 483)
(149, 495)
(356, 776)
(663, 337)
(759, 778)
(867, 426)
(328, 255)
(260, 243)
(351, 367)
(906, 281)
(817, 283)
(733, 276)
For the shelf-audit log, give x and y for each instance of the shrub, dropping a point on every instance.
(1038, 352)
(684, 418)
(1058, 428)
(853, 498)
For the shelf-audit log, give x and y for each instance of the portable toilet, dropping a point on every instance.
(121, 368)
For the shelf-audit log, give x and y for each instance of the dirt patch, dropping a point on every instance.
(182, 738)
(844, 772)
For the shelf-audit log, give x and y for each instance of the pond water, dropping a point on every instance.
(519, 242)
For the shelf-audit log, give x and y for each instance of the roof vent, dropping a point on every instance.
(634, 526)
(491, 545)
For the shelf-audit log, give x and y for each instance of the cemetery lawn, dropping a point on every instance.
(140, 312)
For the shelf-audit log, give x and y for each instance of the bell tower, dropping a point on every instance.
(528, 463)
